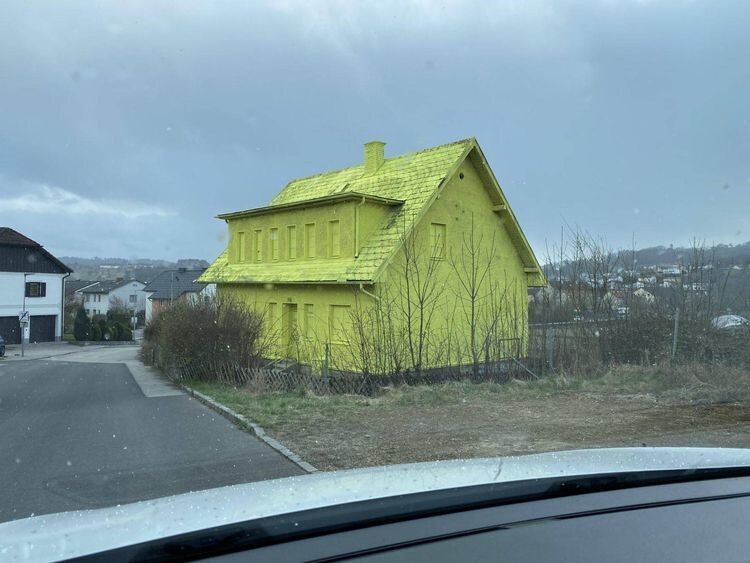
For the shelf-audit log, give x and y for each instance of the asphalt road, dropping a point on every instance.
(77, 435)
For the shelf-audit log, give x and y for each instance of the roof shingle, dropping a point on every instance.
(171, 284)
(413, 178)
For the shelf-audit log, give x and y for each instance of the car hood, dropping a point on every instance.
(76, 533)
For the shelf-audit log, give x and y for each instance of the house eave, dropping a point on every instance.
(326, 200)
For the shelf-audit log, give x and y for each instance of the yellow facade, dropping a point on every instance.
(403, 263)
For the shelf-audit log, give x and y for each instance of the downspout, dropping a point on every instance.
(363, 290)
(356, 227)
(62, 307)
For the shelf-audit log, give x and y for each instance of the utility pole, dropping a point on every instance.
(675, 332)
(22, 320)
(134, 318)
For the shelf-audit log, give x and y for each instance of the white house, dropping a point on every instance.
(173, 285)
(32, 281)
(97, 298)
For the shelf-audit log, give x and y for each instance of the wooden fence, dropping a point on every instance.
(270, 378)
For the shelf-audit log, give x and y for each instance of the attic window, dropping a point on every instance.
(334, 238)
(258, 245)
(274, 236)
(291, 242)
(310, 240)
(438, 232)
(241, 246)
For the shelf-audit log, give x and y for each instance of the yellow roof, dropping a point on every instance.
(412, 178)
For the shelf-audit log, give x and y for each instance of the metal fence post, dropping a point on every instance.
(326, 378)
(675, 332)
(550, 344)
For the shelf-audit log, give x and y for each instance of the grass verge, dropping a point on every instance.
(659, 405)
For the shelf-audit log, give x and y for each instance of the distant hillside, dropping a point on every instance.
(144, 269)
(721, 254)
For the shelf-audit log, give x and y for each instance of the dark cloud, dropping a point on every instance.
(622, 117)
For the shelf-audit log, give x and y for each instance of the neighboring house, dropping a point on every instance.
(72, 287)
(729, 322)
(334, 245)
(32, 280)
(98, 297)
(645, 296)
(174, 285)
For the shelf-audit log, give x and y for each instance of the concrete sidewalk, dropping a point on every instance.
(151, 382)
(41, 351)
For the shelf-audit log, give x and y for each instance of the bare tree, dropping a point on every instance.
(418, 283)
(472, 268)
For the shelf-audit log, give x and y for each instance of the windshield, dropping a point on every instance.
(248, 241)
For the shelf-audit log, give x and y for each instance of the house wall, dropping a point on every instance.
(322, 312)
(155, 306)
(356, 222)
(125, 291)
(158, 305)
(12, 291)
(95, 303)
(99, 303)
(149, 308)
(504, 290)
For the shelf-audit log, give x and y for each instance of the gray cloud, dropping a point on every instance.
(51, 200)
(587, 111)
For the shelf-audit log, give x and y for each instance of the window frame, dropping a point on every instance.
(334, 228)
(291, 242)
(241, 250)
(309, 315)
(310, 241)
(41, 289)
(273, 237)
(438, 253)
(258, 245)
(333, 332)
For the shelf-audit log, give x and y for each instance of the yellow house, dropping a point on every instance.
(394, 264)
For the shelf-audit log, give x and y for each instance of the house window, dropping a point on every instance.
(271, 314)
(133, 298)
(241, 247)
(310, 240)
(291, 242)
(274, 236)
(258, 241)
(308, 320)
(438, 240)
(334, 238)
(338, 320)
(36, 289)
(87, 298)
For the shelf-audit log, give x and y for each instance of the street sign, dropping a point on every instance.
(23, 316)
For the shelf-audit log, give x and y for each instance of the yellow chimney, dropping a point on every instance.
(374, 156)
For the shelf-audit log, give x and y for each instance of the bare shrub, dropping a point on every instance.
(190, 334)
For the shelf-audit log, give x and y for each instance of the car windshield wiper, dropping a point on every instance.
(360, 514)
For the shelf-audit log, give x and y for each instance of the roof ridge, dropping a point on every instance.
(20, 238)
(361, 164)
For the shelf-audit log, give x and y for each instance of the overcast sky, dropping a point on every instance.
(125, 126)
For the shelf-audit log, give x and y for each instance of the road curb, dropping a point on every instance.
(242, 420)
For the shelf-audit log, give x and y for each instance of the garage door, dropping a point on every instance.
(10, 330)
(42, 328)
